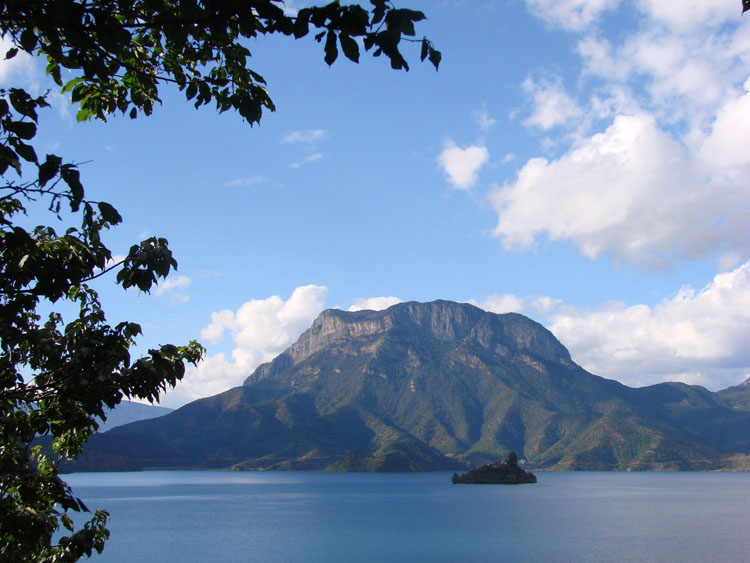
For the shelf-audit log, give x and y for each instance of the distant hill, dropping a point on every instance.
(738, 396)
(440, 385)
(128, 411)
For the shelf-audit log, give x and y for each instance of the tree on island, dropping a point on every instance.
(503, 472)
(57, 375)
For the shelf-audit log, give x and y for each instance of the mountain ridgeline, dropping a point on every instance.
(435, 386)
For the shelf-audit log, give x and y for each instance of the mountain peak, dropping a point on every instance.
(441, 320)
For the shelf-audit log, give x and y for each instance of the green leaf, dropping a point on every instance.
(72, 177)
(26, 152)
(28, 40)
(49, 169)
(8, 158)
(331, 50)
(22, 129)
(435, 57)
(302, 23)
(378, 13)
(350, 47)
(84, 115)
(72, 84)
(403, 20)
(22, 102)
(109, 213)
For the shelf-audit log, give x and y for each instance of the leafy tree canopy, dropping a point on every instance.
(58, 374)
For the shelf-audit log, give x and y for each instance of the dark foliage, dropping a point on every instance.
(59, 376)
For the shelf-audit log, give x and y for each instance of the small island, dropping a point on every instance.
(504, 472)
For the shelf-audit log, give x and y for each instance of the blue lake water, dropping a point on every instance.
(216, 516)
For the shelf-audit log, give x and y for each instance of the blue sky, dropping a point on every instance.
(583, 162)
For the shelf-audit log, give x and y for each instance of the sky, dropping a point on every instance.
(582, 162)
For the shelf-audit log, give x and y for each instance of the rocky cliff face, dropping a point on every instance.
(442, 320)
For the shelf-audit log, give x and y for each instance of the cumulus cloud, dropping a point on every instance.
(268, 326)
(172, 286)
(309, 136)
(728, 261)
(504, 303)
(374, 303)
(653, 166)
(570, 14)
(599, 59)
(535, 305)
(462, 165)
(260, 330)
(727, 144)
(697, 336)
(690, 14)
(552, 106)
(629, 191)
(681, 61)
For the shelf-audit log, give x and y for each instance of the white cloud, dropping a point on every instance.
(260, 329)
(291, 7)
(374, 303)
(598, 58)
(505, 303)
(462, 165)
(116, 259)
(696, 336)
(221, 321)
(681, 62)
(313, 157)
(171, 284)
(544, 306)
(541, 306)
(665, 176)
(268, 326)
(686, 15)
(21, 71)
(629, 191)
(570, 14)
(728, 261)
(309, 136)
(484, 120)
(552, 106)
(727, 145)
(247, 181)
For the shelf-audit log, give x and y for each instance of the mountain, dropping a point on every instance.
(738, 396)
(440, 385)
(128, 411)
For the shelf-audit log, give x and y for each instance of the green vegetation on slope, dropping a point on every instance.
(436, 385)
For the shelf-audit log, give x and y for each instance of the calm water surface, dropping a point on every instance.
(191, 516)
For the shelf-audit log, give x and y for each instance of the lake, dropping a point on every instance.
(218, 516)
